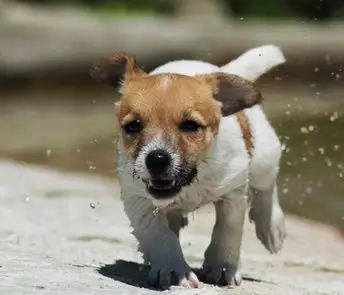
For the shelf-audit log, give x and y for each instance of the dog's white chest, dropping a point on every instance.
(215, 182)
(196, 197)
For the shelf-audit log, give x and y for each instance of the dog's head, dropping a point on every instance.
(168, 121)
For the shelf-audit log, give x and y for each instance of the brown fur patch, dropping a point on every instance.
(245, 130)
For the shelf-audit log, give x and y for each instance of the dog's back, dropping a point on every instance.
(266, 149)
(250, 65)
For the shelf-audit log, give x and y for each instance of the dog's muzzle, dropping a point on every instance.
(166, 180)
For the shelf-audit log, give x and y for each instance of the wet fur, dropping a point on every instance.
(227, 177)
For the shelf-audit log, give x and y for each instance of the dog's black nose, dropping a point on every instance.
(158, 161)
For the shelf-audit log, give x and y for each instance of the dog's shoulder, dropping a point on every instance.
(227, 163)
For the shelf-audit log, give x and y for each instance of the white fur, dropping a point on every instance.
(255, 62)
(226, 177)
(186, 67)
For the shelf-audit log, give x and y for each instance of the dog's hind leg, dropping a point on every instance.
(268, 217)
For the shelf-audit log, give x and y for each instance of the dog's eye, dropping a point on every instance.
(133, 127)
(189, 126)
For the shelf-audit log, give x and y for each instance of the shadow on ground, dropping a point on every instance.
(136, 274)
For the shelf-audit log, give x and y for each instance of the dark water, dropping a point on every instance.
(312, 168)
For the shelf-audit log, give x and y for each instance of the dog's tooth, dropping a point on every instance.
(150, 184)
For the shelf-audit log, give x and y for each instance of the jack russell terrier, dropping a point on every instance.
(191, 134)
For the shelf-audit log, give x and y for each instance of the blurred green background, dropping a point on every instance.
(307, 9)
(53, 114)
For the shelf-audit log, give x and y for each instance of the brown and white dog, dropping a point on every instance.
(193, 133)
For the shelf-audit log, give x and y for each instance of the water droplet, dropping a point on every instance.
(321, 151)
(241, 19)
(336, 147)
(304, 130)
(328, 162)
(283, 146)
(316, 70)
(48, 152)
(91, 167)
(311, 128)
(334, 117)
(309, 190)
(285, 190)
(92, 205)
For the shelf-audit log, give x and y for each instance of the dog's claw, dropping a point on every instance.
(190, 282)
(163, 279)
(222, 276)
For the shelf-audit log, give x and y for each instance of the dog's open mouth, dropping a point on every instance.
(162, 189)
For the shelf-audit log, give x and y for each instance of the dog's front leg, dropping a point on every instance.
(222, 258)
(159, 244)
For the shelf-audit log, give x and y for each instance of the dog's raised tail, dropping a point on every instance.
(255, 62)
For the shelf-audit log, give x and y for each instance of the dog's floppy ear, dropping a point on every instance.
(116, 69)
(233, 92)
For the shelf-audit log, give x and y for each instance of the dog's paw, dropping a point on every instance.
(170, 274)
(270, 230)
(221, 275)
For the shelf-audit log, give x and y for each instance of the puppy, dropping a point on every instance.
(191, 134)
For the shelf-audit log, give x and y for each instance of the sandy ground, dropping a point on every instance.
(67, 234)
